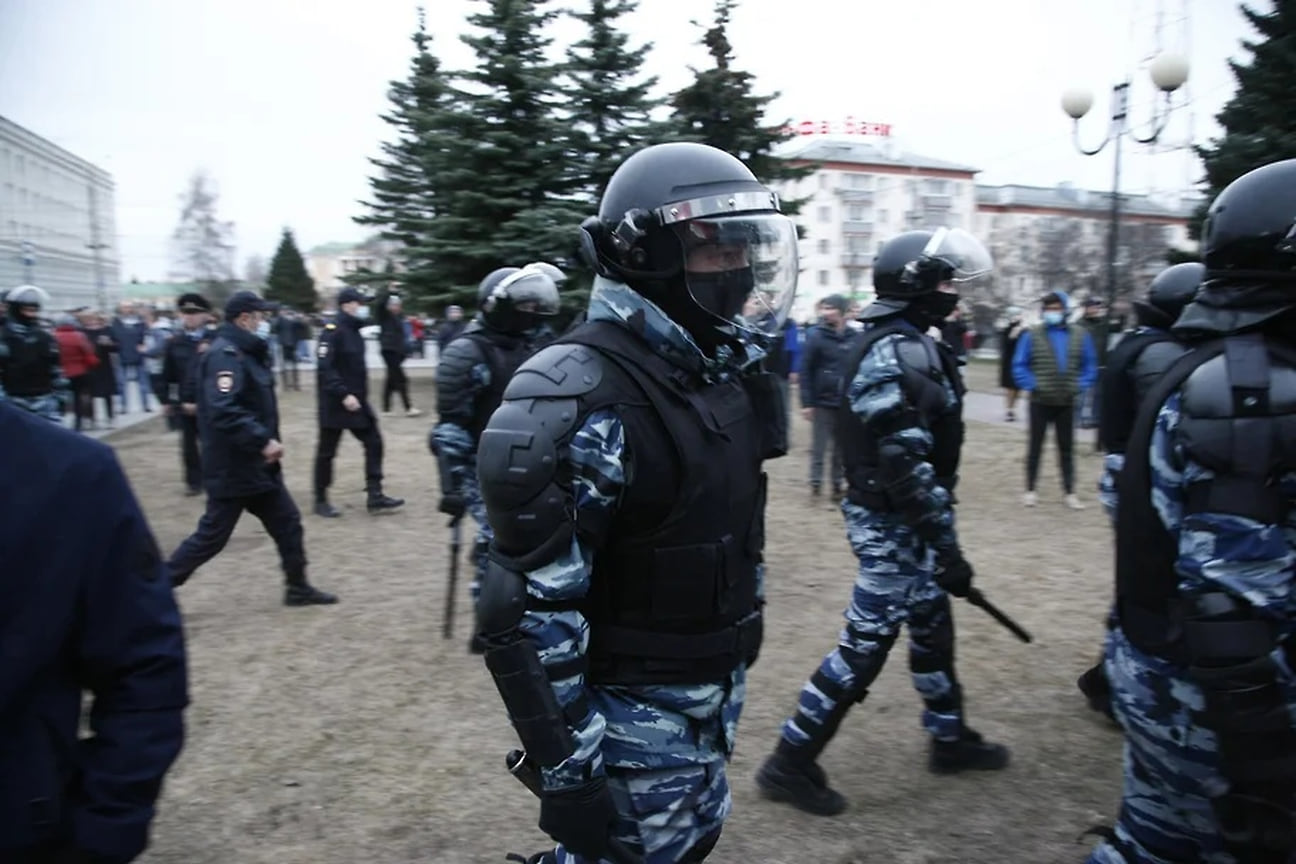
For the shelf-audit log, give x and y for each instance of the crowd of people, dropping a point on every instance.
(616, 475)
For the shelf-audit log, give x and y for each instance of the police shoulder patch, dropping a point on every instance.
(323, 349)
(225, 381)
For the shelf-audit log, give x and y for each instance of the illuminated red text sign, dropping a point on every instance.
(849, 126)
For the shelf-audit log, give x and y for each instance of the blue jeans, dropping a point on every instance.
(126, 372)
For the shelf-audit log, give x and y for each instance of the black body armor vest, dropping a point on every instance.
(926, 366)
(29, 369)
(672, 595)
(1237, 418)
(503, 356)
(1134, 366)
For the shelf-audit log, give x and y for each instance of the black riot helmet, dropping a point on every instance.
(1171, 290)
(1249, 248)
(913, 274)
(25, 303)
(514, 299)
(690, 228)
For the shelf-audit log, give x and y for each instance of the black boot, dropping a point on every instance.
(477, 644)
(791, 775)
(305, 594)
(325, 509)
(380, 503)
(970, 752)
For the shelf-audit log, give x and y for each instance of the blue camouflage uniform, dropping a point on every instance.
(894, 585)
(455, 445)
(1171, 758)
(49, 404)
(663, 748)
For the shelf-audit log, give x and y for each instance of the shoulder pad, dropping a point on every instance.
(463, 349)
(912, 352)
(561, 371)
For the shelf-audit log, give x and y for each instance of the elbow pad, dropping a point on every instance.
(904, 489)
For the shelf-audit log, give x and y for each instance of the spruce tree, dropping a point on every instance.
(1259, 122)
(288, 282)
(721, 108)
(404, 193)
(610, 105)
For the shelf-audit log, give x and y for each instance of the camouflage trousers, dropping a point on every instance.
(669, 815)
(48, 406)
(1170, 764)
(894, 587)
(481, 542)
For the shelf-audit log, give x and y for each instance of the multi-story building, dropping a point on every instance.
(57, 225)
(1045, 239)
(329, 263)
(860, 195)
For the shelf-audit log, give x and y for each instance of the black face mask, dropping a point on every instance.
(714, 296)
(931, 310)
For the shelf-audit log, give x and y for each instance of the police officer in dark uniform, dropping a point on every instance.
(238, 422)
(622, 479)
(1136, 363)
(472, 373)
(30, 374)
(179, 387)
(343, 384)
(900, 428)
(86, 607)
(1201, 658)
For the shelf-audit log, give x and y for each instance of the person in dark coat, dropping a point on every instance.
(179, 389)
(392, 340)
(238, 421)
(102, 380)
(1007, 348)
(343, 384)
(822, 377)
(450, 328)
(86, 607)
(129, 331)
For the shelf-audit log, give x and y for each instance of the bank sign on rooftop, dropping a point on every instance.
(847, 126)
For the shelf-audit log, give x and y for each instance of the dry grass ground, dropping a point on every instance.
(354, 733)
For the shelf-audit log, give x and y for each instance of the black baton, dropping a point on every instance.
(976, 598)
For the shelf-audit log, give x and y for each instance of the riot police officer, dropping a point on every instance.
(622, 479)
(238, 422)
(342, 380)
(900, 430)
(472, 373)
(1200, 659)
(179, 388)
(30, 374)
(1139, 359)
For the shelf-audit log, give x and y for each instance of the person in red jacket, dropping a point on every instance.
(77, 357)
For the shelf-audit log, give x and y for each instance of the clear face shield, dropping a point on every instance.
(963, 260)
(525, 298)
(741, 268)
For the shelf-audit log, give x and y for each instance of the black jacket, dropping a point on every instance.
(823, 365)
(237, 414)
(340, 372)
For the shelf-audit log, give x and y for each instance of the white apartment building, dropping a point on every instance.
(861, 195)
(1044, 239)
(57, 224)
(329, 263)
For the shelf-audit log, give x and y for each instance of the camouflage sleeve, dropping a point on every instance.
(1250, 560)
(878, 399)
(1108, 495)
(597, 460)
(60, 386)
(454, 448)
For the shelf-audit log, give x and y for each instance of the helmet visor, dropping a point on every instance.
(742, 268)
(966, 258)
(529, 290)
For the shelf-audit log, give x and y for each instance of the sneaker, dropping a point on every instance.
(305, 594)
(1010, 417)
(414, 412)
(1030, 499)
(1073, 503)
(380, 503)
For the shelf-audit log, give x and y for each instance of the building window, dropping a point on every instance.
(856, 212)
(823, 277)
(825, 214)
(825, 179)
(937, 187)
(823, 247)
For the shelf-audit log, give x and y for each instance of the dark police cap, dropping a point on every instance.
(193, 303)
(351, 295)
(244, 301)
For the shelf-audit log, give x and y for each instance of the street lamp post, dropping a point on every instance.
(1168, 73)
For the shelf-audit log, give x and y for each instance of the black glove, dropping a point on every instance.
(580, 818)
(1258, 825)
(954, 574)
(452, 505)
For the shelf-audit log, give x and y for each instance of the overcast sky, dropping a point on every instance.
(278, 99)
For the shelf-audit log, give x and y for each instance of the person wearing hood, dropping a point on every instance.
(1201, 658)
(900, 427)
(31, 376)
(78, 359)
(342, 380)
(471, 375)
(622, 478)
(1054, 362)
(238, 420)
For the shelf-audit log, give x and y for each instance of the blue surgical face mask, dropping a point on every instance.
(1052, 319)
(263, 329)
(362, 312)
